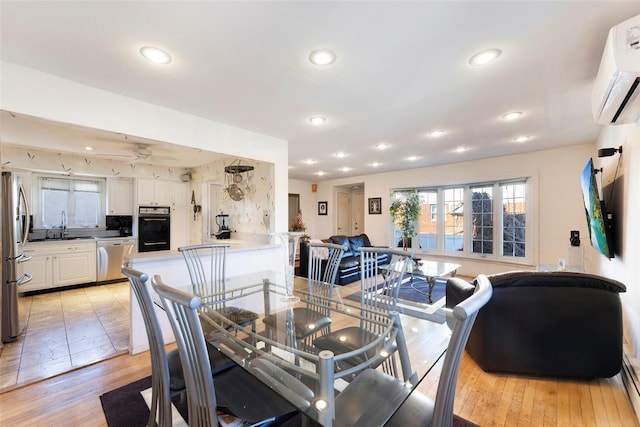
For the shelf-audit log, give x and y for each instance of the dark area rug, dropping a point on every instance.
(125, 407)
(416, 291)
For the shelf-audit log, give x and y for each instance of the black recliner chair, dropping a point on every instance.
(550, 324)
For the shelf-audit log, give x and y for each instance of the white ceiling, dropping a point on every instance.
(401, 71)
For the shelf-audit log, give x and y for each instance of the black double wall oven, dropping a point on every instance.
(154, 228)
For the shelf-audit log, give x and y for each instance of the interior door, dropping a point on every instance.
(343, 212)
(357, 214)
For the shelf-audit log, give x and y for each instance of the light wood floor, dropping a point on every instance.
(72, 399)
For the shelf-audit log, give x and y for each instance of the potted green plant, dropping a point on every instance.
(405, 211)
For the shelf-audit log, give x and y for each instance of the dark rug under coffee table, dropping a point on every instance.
(413, 297)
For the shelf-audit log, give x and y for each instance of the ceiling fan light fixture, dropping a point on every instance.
(155, 55)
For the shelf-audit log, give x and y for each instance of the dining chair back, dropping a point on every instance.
(324, 259)
(371, 389)
(313, 319)
(183, 317)
(207, 270)
(235, 389)
(207, 278)
(379, 293)
(161, 374)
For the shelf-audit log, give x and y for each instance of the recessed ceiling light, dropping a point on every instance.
(345, 169)
(412, 158)
(317, 120)
(484, 57)
(522, 138)
(382, 146)
(341, 154)
(375, 164)
(322, 57)
(155, 55)
(513, 115)
(321, 173)
(436, 133)
(88, 148)
(309, 161)
(461, 149)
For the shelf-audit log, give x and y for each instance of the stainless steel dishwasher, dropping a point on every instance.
(110, 256)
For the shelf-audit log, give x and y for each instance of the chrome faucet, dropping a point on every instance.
(63, 225)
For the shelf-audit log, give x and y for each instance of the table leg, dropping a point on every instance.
(432, 282)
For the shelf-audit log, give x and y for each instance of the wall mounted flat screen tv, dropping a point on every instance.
(597, 219)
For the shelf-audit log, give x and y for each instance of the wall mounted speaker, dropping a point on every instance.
(574, 238)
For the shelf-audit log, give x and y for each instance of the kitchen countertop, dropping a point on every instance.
(235, 246)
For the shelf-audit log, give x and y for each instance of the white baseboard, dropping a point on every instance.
(631, 382)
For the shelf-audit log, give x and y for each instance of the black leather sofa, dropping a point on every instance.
(549, 324)
(349, 268)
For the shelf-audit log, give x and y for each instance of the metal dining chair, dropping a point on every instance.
(235, 390)
(208, 280)
(166, 368)
(313, 319)
(376, 296)
(371, 396)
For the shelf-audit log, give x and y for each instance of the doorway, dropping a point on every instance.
(294, 208)
(350, 209)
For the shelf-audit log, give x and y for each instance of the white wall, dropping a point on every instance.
(28, 91)
(557, 196)
(625, 266)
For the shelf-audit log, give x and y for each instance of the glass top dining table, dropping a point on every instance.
(313, 379)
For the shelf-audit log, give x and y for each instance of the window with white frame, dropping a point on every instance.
(487, 220)
(80, 201)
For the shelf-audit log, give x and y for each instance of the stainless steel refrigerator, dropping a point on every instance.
(15, 219)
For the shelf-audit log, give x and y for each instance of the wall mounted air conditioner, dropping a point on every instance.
(616, 91)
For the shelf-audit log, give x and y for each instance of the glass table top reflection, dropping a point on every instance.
(311, 378)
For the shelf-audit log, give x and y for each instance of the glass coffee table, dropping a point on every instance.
(427, 270)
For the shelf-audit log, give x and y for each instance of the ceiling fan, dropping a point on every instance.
(139, 152)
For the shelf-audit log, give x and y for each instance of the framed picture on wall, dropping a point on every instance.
(375, 205)
(322, 208)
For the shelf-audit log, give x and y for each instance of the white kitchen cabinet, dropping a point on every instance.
(39, 267)
(120, 196)
(179, 227)
(181, 213)
(179, 194)
(74, 267)
(153, 192)
(59, 263)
